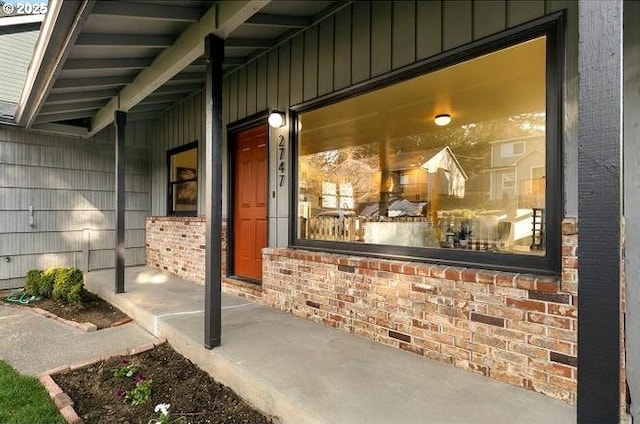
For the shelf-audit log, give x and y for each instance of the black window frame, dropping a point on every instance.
(171, 184)
(552, 26)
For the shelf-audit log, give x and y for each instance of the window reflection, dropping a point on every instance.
(375, 169)
(183, 180)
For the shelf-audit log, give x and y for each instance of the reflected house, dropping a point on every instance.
(517, 182)
(446, 176)
(413, 187)
(423, 176)
(518, 169)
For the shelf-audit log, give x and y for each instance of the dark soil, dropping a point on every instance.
(93, 309)
(193, 395)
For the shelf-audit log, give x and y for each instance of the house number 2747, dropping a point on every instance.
(281, 159)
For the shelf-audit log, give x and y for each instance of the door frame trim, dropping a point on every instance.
(233, 129)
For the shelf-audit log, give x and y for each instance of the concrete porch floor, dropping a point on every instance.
(302, 372)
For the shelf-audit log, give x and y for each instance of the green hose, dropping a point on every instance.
(21, 297)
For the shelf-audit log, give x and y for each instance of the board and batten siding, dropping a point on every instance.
(359, 42)
(183, 123)
(367, 39)
(69, 184)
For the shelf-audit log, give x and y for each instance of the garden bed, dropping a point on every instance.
(194, 396)
(93, 309)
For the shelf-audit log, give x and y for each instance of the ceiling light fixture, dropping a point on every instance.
(276, 119)
(442, 120)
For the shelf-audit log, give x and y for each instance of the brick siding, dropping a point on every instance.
(177, 245)
(517, 328)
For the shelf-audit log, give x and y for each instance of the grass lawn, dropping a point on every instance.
(23, 400)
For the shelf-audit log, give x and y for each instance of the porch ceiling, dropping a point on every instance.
(142, 56)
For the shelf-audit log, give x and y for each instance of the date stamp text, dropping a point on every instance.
(16, 9)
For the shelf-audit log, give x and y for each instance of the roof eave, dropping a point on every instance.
(60, 27)
(221, 19)
(8, 21)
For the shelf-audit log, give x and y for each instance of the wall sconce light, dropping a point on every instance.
(276, 119)
(442, 120)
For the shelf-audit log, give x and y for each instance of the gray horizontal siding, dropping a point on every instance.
(55, 158)
(16, 50)
(103, 259)
(36, 261)
(69, 220)
(98, 259)
(65, 241)
(69, 183)
(19, 199)
(38, 177)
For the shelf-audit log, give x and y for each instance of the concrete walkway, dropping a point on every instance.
(33, 344)
(302, 372)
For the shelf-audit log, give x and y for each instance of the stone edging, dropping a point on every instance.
(83, 326)
(62, 401)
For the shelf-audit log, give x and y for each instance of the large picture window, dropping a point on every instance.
(375, 173)
(183, 180)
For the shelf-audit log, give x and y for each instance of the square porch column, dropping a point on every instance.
(599, 210)
(120, 124)
(214, 53)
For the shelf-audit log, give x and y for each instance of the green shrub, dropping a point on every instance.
(64, 285)
(32, 282)
(40, 283)
(68, 285)
(46, 282)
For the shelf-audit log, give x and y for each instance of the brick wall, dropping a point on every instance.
(177, 245)
(516, 328)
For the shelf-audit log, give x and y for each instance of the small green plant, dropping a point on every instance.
(125, 371)
(68, 285)
(139, 394)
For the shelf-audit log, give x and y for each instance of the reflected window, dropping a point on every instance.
(509, 182)
(375, 169)
(183, 180)
(512, 149)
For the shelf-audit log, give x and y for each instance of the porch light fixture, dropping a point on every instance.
(442, 120)
(276, 119)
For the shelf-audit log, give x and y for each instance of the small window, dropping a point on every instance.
(509, 182)
(537, 172)
(183, 180)
(512, 149)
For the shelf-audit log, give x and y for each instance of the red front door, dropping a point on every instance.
(250, 206)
